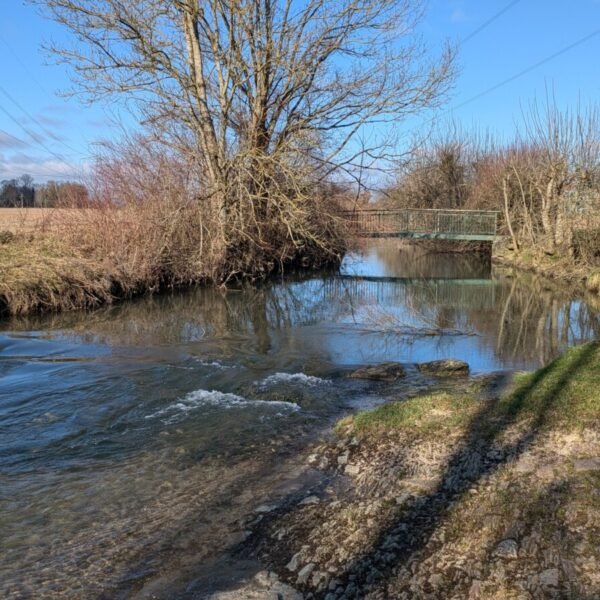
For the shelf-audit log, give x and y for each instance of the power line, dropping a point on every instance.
(18, 140)
(25, 67)
(35, 138)
(49, 175)
(536, 65)
(35, 120)
(14, 137)
(23, 142)
(508, 80)
(488, 22)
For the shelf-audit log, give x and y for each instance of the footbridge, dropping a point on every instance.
(437, 224)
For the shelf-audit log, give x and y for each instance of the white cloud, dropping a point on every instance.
(10, 142)
(40, 168)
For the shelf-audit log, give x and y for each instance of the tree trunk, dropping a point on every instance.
(507, 213)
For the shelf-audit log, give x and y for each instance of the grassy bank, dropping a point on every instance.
(490, 493)
(65, 259)
(45, 274)
(563, 395)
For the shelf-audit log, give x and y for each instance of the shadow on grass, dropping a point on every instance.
(468, 465)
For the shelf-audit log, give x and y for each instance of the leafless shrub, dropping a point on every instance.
(253, 96)
(143, 218)
(546, 182)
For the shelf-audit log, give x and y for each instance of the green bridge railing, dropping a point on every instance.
(469, 225)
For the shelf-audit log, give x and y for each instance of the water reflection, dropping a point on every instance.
(521, 321)
(112, 421)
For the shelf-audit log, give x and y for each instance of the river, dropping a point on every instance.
(135, 439)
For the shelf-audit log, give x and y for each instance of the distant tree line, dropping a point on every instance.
(22, 192)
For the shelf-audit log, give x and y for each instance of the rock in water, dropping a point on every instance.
(444, 368)
(387, 371)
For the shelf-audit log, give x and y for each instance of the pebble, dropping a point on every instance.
(343, 459)
(549, 578)
(305, 573)
(506, 549)
(294, 562)
(587, 464)
(475, 589)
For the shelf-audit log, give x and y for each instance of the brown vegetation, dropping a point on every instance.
(249, 122)
(144, 229)
(545, 183)
(30, 220)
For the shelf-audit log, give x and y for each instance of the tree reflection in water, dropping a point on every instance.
(518, 317)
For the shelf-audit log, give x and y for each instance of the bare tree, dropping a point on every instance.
(563, 163)
(249, 79)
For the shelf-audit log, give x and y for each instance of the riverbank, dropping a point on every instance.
(75, 259)
(560, 268)
(486, 493)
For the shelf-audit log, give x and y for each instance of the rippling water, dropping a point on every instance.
(134, 438)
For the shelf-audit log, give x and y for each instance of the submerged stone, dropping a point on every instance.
(387, 371)
(444, 367)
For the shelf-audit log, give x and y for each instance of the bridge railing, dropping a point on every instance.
(419, 222)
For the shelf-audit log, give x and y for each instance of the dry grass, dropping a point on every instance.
(44, 274)
(66, 259)
(148, 227)
(30, 220)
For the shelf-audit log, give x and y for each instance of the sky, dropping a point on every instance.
(510, 53)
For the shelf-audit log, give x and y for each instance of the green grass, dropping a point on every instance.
(563, 395)
(439, 412)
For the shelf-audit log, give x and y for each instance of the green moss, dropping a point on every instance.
(436, 412)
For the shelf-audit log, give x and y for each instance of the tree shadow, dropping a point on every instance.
(469, 464)
(412, 529)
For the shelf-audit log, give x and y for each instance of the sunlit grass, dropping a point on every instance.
(565, 395)
(46, 274)
(424, 414)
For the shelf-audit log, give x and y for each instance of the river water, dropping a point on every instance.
(135, 439)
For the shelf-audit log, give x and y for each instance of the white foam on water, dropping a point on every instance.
(293, 378)
(214, 363)
(178, 410)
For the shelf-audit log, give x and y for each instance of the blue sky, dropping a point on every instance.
(50, 137)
